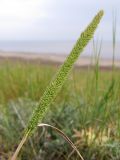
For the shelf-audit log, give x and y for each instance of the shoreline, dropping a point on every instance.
(56, 59)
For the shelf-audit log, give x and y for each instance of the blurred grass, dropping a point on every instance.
(87, 110)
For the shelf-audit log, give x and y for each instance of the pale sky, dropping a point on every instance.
(54, 19)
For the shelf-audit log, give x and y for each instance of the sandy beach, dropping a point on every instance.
(57, 59)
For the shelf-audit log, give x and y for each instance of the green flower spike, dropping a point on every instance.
(56, 84)
(58, 81)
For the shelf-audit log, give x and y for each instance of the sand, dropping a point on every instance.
(55, 58)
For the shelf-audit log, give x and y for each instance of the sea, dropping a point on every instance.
(60, 48)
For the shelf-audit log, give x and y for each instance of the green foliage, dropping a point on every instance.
(56, 84)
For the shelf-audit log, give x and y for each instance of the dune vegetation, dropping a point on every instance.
(87, 110)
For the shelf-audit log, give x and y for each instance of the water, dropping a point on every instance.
(56, 47)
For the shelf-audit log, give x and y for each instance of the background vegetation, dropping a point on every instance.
(87, 110)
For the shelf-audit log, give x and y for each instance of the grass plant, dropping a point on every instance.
(56, 84)
(93, 127)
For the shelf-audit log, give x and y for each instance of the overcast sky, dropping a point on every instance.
(54, 19)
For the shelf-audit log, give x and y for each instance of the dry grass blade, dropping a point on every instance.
(54, 128)
(64, 136)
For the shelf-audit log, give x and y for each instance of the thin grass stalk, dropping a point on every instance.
(97, 46)
(24, 126)
(114, 41)
(19, 146)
